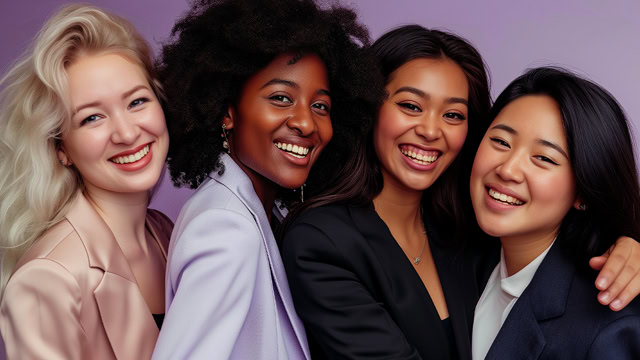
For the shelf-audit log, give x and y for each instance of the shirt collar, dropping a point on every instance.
(515, 284)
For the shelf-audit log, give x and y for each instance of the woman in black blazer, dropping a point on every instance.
(372, 262)
(551, 127)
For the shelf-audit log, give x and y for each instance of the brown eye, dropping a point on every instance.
(409, 106)
(281, 99)
(500, 142)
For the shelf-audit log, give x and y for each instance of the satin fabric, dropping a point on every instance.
(74, 296)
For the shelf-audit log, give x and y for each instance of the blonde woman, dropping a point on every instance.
(83, 140)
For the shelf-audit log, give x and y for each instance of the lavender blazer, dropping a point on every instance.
(227, 294)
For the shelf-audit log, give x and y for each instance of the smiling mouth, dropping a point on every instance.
(419, 156)
(299, 152)
(128, 159)
(504, 199)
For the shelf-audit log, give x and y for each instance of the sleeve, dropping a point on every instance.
(212, 272)
(619, 340)
(338, 311)
(40, 313)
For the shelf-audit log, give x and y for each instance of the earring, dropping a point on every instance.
(302, 192)
(62, 162)
(582, 206)
(225, 143)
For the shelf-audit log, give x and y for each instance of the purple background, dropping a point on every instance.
(595, 38)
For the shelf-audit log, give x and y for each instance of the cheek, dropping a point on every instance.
(86, 146)
(555, 191)
(456, 136)
(482, 165)
(325, 131)
(387, 129)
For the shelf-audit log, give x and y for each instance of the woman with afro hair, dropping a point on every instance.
(257, 89)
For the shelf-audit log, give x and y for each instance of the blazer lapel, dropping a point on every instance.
(520, 336)
(545, 298)
(452, 278)
(122, 308)
(415, 309)
(240, 184)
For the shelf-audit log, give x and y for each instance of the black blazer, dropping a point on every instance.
(360, 297)
(559, 317)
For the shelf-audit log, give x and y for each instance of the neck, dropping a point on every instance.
(124, 213)
(264, 188)
(519, 251)
(399, 207)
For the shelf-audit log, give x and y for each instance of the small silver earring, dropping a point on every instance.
(225, 143)
(62, 162)
(302, 192)
(582, 206)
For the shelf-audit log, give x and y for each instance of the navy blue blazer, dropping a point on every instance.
(559, 317)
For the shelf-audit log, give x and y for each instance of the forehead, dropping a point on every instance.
(535, 117)
(91, 77)
(309, 70)
(434, 76)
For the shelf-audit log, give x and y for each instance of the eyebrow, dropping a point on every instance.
(97, 103)
(292, 84)
(412, 90)
(542, 142)
(553, 146)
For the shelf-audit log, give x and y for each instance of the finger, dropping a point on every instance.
(618, 259)
(598, 262)
(625, 297)
(629, 278)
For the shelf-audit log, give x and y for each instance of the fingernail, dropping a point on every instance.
(602, 283)
(604, 297)
(616, 304)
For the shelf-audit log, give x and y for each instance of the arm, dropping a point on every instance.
(211, 272)
(619, 340)
(40, 312)
(619, 278)
(334, 305)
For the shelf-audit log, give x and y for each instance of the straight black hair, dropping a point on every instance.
(359, 179)
(601, 156)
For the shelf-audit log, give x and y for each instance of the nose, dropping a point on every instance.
(302, 120)
(511, 168)
(429, 127)
(125, 129)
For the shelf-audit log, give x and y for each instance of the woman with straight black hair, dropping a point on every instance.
(401, 195)
(555, 179)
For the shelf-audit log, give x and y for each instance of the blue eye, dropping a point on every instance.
(137, 102)
(409, 106)
(90, 118)
(500, 142)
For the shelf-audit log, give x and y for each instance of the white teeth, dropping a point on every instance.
(131, 158)
(295, 150)
(420, 158)
(504, 198)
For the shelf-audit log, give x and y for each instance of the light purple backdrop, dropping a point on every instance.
(596, 38)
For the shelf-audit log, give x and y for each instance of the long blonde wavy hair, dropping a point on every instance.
(35, 189)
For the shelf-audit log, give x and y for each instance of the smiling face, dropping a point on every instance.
(522, 183)
(282, 122)
(422, 125)
(117, 138)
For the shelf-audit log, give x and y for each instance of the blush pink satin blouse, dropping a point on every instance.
(74, 296)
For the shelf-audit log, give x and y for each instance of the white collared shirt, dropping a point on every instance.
(497, 300)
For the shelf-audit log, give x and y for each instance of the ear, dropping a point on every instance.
(229, 117)
(62, 156)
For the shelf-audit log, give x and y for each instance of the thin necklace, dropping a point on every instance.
(416, 261)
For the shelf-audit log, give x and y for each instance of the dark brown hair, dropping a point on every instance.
(359, 178)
